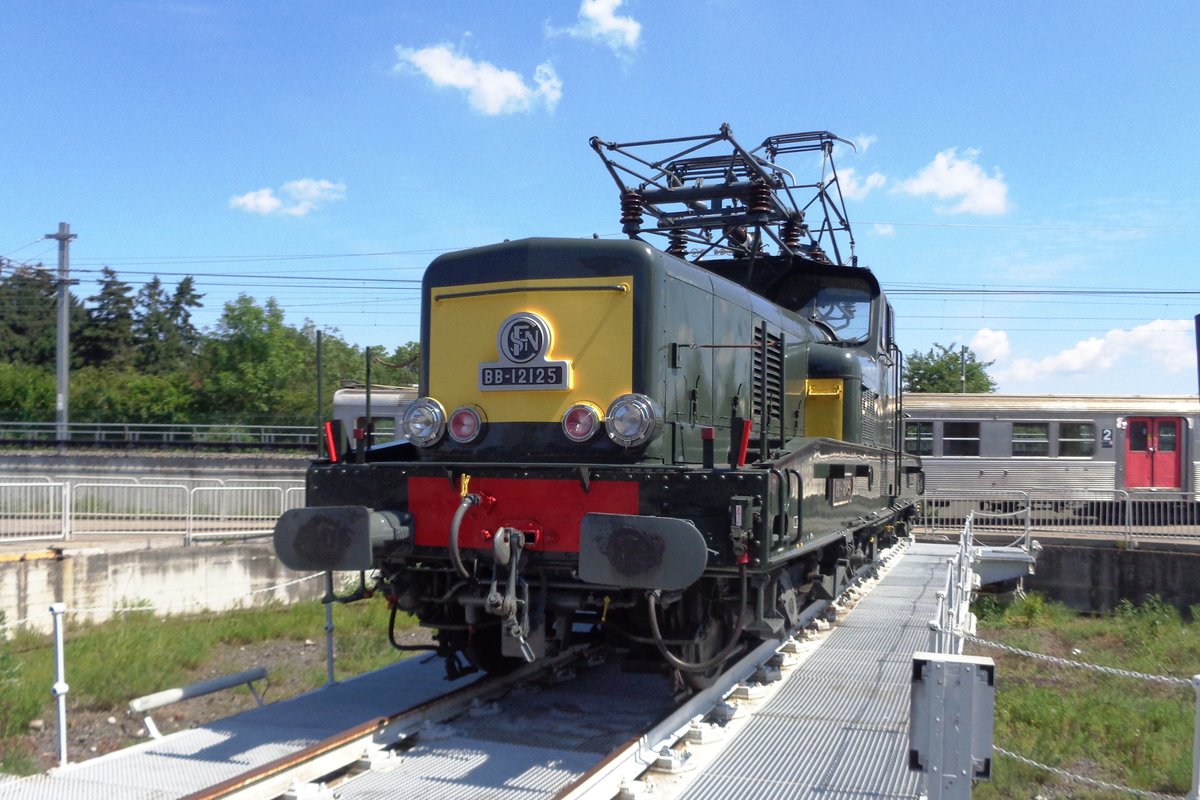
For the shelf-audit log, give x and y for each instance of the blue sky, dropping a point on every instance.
(1026, 180)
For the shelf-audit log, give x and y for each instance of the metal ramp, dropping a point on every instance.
(998, 564)
(189, 761)
(838, 729)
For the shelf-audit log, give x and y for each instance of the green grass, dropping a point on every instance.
(1120, 730)
(137, 653)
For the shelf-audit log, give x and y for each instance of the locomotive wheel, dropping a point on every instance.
(710, 638)
(486, 657)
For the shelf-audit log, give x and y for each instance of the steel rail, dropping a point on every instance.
(640, 753)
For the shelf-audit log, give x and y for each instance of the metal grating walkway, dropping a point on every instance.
(189, 761)
(838, 730)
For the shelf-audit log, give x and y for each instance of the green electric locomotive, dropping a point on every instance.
(680, 449)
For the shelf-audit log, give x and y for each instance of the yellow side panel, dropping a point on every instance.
(823, 407)
(593, 330)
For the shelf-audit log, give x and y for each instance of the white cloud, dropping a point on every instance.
(260, 201)
(489, 89)
(951, 177)
(885, 229)
(989, 345)
(599, 21)
(863, 142)
(1168, 344)
(855, 189)
(299, 197)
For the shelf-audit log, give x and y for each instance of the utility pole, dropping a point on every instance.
(64, 237)
(963, 362)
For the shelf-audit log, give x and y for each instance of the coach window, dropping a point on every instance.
(1139, 436)
(960, 438)
(1166, 436)
(1076, 439)
(1031, 439)
(918, 438)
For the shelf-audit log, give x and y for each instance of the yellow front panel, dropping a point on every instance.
(593, 330)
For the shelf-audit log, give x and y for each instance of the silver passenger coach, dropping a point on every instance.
(1039, 442)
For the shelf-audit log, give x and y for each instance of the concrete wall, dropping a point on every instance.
(1097, 575)
(170, 580)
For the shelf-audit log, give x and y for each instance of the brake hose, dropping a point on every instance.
(456, 557)
(719, 658)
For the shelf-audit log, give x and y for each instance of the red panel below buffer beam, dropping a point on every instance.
(550, 509)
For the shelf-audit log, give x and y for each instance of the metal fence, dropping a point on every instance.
(58, 511)
(33, 510)
(124, 434)
(1129, 515)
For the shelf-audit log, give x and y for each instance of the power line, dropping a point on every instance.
(22, 247)
(1067, 228)
(989, 292)
(264, 276)
(246, 259)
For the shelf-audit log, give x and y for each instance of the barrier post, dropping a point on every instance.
(938, 623)
(67, 517)
(1127, 506)
(1028, 521)
(59, 689)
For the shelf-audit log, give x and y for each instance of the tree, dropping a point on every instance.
(107, 339)
(256, 365)
(154, 330)
(404, 366)
(28, 314)
(941, 369)
(26, 393)
(183, 301)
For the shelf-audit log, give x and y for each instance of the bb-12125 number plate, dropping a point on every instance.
(551, 376)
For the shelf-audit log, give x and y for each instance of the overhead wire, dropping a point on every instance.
(22, 247)
(1067, 228)
(405, 299)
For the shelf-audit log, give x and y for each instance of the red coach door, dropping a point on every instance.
(1152, 452)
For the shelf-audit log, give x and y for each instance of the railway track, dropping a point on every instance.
(339, 758)
(569, 727)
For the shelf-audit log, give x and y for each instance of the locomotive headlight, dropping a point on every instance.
(632, 420)
(466, 423)
(424, 422)
(581, 422)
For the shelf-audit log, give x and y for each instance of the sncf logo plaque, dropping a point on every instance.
(523, 342)
(523, 337)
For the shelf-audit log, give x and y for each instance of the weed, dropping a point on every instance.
(1111, 728)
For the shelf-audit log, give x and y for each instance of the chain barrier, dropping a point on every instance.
(1099, 784)
(952, 632)
(1066, 662)
(948, 622)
